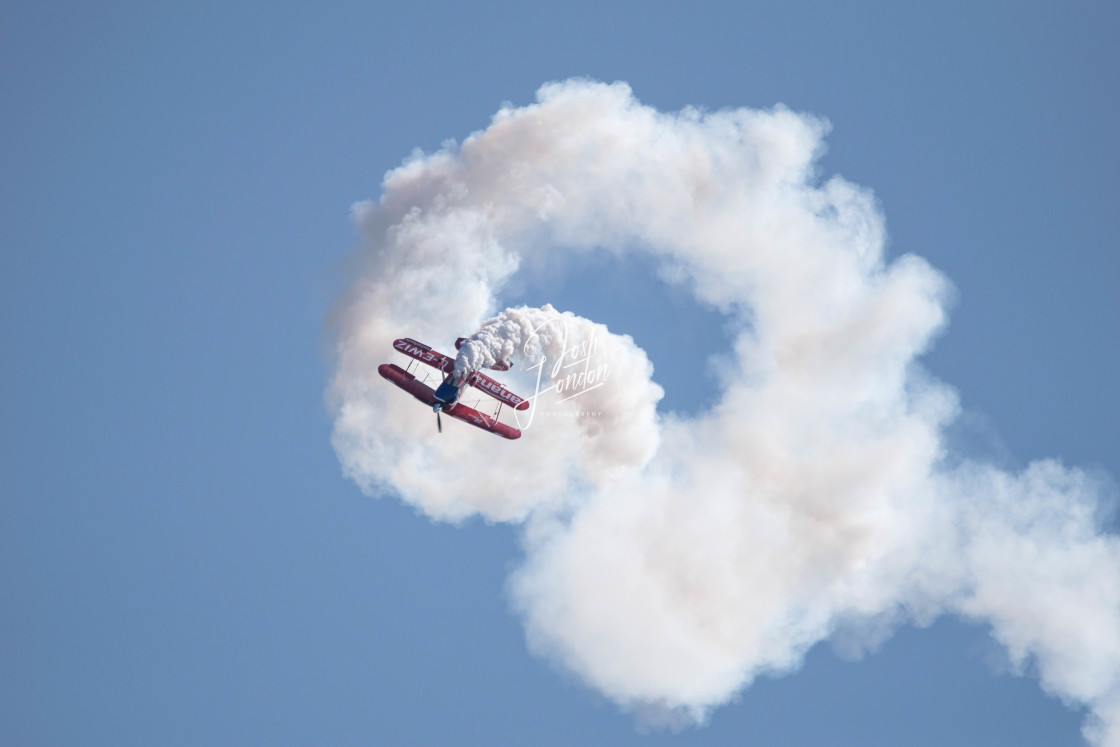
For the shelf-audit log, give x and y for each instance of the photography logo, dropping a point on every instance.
(573, 374)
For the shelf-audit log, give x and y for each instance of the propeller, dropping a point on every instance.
(436, 409)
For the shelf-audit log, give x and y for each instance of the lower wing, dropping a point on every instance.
(407, 382)
(424, 393)
(480, 420)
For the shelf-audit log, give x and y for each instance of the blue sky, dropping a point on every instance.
(181, 558)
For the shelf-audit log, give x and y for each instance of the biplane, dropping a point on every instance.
(445, 397)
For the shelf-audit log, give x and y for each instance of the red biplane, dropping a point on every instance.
(445, 398)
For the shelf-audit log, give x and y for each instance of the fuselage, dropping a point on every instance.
(448, 392)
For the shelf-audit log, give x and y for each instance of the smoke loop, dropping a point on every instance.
(670, 560)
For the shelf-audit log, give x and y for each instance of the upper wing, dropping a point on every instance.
(483, 421)
(424, 354)
(407, 382)
(497, 391)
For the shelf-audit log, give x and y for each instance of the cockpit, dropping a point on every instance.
(448, 391)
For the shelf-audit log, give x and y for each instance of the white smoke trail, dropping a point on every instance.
(672, 560)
